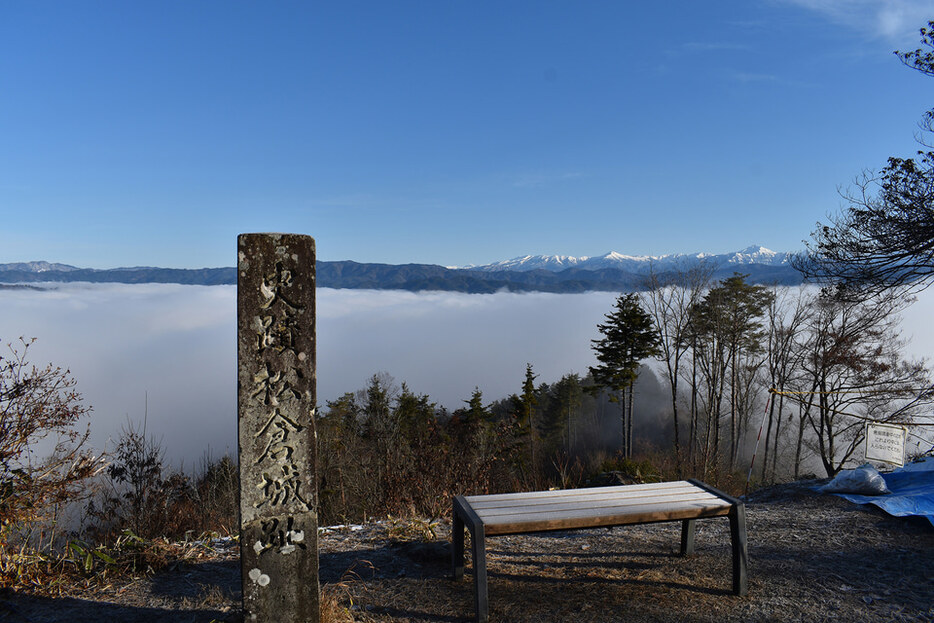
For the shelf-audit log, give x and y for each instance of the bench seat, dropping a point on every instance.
(541, 511)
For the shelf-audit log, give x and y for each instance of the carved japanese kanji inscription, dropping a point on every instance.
(276, 401)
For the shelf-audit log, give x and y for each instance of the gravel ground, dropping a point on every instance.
(812, 558)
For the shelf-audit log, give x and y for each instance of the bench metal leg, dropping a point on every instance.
(481, 597)
(465, 517)
(457, 551)
(687, 537)
(738, 538)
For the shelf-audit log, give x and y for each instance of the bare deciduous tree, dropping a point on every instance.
(786, 315)
(855, 373)
(885, 238)
(43, 462)
(669, 298)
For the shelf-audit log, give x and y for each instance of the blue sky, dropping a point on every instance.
(152, 133)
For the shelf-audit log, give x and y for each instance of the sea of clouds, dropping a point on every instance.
(169, 351)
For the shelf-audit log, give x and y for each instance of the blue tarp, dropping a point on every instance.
(912, 491)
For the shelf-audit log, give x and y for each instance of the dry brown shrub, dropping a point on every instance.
(43, 463)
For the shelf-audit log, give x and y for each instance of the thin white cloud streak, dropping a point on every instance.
(538, 180)
(178, 345)
(753, 77)
(897, 21)
(701, 46)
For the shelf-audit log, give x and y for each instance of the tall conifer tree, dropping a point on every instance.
(629, 336)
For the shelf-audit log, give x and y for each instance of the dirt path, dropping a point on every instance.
(811, 558)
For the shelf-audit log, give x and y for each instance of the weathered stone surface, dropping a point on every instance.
(276, 399)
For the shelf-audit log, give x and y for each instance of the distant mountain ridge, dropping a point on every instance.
(37, 267)
(636, 263)
(13, 273)
(612, 272)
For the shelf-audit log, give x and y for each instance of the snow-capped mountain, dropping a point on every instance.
(637, 263)
(612, 272)
(36, 267)
(534, 262)
(756, 255)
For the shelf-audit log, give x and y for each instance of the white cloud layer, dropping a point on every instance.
(174, 343)
(177, 344)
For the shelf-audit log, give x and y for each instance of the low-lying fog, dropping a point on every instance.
(176, 345)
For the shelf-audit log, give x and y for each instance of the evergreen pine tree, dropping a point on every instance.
(629, 336)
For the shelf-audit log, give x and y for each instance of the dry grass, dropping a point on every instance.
(811, 558)
(411, 529)
(83, 567)
(332, 611)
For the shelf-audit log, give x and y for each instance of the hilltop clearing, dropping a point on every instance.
(812, 557)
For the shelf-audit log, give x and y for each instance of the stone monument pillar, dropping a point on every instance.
(276, 427)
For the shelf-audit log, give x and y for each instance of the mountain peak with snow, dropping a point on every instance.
(754, 254)
(611, 271)
(37, 267)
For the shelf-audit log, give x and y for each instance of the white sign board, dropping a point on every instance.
(886, 443)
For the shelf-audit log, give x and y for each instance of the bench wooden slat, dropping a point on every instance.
(573, 494)
(609, 516)
(687, 500)
(655, 487)
(593, 499)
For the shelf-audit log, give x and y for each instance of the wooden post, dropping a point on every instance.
(276, 427)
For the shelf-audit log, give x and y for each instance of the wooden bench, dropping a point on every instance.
(540, 511)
